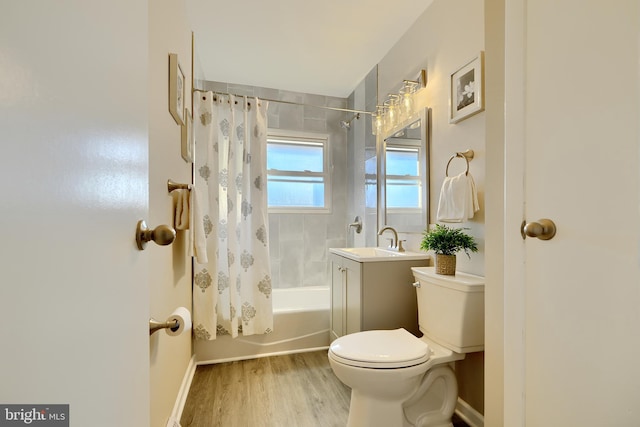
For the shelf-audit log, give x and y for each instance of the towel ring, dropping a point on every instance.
(446, 173)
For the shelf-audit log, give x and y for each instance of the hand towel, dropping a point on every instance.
(458, 199)
(198, 244)
(473, 205)
(182, 215)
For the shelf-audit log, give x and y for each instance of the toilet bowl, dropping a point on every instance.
(400, 380)
(385, 369)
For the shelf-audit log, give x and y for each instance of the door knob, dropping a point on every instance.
(162, 234)
(544, 229)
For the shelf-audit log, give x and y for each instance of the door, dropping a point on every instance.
(572, 303)
(74, 165)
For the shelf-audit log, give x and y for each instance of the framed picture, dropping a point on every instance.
(176, 89)
(466, 95)
(187, 137)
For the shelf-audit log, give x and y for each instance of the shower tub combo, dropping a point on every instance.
(300, 323)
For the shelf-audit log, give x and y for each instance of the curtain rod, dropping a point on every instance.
(347, 110)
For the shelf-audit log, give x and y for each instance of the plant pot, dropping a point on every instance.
(446, 264)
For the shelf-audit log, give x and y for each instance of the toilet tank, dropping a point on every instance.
(451, 309)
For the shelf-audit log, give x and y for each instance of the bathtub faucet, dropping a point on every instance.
(357, 224)
(394, 244)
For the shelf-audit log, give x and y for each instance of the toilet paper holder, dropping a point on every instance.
(154, 325)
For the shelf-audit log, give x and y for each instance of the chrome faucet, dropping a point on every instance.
(394, 243)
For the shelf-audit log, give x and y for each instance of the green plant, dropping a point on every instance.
(447, 241)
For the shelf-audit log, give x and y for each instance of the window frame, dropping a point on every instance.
(302, 137)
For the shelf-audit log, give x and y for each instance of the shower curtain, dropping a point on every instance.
(232, 290)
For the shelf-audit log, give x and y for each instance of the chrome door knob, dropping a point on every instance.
(544, 229)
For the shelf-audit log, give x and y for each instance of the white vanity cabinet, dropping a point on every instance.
(373, 294)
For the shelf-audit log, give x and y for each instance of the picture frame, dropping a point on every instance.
(176, 89)
(187, 137)
(466, 94)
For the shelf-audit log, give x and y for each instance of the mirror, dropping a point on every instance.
(404, 176)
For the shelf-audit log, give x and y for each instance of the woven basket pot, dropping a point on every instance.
(446, 264)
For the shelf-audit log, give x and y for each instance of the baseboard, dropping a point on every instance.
(468, 414)
(181, 399)
(257, 356)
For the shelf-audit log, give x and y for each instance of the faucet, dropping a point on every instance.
(394, 243)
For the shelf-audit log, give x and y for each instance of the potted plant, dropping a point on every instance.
(445, 242)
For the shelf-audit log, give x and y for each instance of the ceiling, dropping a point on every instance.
(323, 47)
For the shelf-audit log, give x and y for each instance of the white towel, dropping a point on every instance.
(181, 218)
(474, 206)
(198, 244)
(458, 199)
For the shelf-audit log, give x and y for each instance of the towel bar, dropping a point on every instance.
(172, 185)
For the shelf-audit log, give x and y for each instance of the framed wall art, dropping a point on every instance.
(176, 89)
(466, 94)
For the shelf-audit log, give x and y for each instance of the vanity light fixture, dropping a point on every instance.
(398, 108)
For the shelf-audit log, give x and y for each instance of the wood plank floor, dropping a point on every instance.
(280, 391)
(296, 390)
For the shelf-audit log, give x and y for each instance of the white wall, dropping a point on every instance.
(444, 38)
(170, 266)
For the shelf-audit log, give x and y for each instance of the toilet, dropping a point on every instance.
(400, 380)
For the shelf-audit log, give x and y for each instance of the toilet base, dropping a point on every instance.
(367, 412)
(431, 404)
(434, 403)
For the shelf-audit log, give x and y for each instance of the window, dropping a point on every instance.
(403, 186)
(297, 172)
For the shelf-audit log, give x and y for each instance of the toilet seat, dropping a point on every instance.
(380, 349)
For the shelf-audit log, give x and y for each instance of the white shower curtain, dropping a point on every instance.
(232, 291)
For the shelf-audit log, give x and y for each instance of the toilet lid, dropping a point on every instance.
(395, 348)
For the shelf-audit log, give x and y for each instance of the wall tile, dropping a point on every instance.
(291, 266)
(315, 237)
(315, 273)
(292, 227)
(274, 237)
(312, 112)
(315, 125)
(291, 117)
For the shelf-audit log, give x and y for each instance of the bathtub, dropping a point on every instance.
(300, 323)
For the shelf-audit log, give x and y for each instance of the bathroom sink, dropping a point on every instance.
(371, 254)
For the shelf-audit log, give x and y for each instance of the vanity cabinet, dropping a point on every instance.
(372, 295)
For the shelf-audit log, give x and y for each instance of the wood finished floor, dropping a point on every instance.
(296, 390)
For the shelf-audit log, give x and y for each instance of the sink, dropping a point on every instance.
(371, 254)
